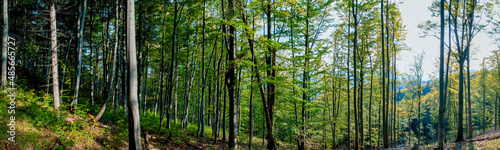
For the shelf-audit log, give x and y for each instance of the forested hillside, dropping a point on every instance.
(234, 74)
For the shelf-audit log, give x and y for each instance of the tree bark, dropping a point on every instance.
(134, 127)
(117, 39)
(356, 117)
(172, 67)
(231, 79)
(187, 82)
(53, 44)
(161, 99)
(201, 122)
(305, 81)
(442, 101)
(80, 49)
(5, 37)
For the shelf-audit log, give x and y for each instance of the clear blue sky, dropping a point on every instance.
(415, 12)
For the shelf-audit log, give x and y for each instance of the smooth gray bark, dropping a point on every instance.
(133, 102)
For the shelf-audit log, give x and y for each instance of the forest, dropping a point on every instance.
(249, 74)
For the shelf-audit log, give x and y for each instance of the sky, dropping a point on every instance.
(415, 12)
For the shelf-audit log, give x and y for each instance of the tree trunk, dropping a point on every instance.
(114, 71)
(117, 39)
(187, 82)
(442, 101)
(80, 49)
(172, 67)
(250, 122)
(5, 37)
(125, 69)
(161, 99)
(305, 78)
(384, 96)
(469, 130)
(460, 135)
(261, 88)
(231, 80)
(134, 127)
(348, 86)
(370, 105)
(53, 44)
(356, 107)
(251, 94)
(483, 72)
(201, 122)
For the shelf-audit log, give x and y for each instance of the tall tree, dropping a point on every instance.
(384, 94)
(201, 121)
(53, 44)
(134, 127)
(305, 80)
(271, 62)
(418, 73)
(114, 71)
(231, 78)
(80, 49)
(177, 10)
(442, 101)
(483, 74)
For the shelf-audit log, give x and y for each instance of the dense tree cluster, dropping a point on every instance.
(309, 73)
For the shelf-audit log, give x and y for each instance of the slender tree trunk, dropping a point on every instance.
(305, 83)
(250, 122)
(145, 76)
(92, 59)
(348, 86)
(140, 61)
(53, 44)
(418, 114)
(80, 49)
(251, 94)
(356, 107)
(125, 68)
(370, 105)
(483, 72)
(225, 42)
(469, 130)
(460, 136)
(187, 86)
(496, 111)
(114, 72)
(201, 122)
(384, 95)
(442, 101)
(231, 80)
(172, 67)
(162, 67)
(5, 45)
(117, 39)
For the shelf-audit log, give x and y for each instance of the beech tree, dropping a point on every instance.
(134, 126)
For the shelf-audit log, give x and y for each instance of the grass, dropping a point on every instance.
(39, 126)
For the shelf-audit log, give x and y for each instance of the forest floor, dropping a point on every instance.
(487, 141)
(39, 126)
